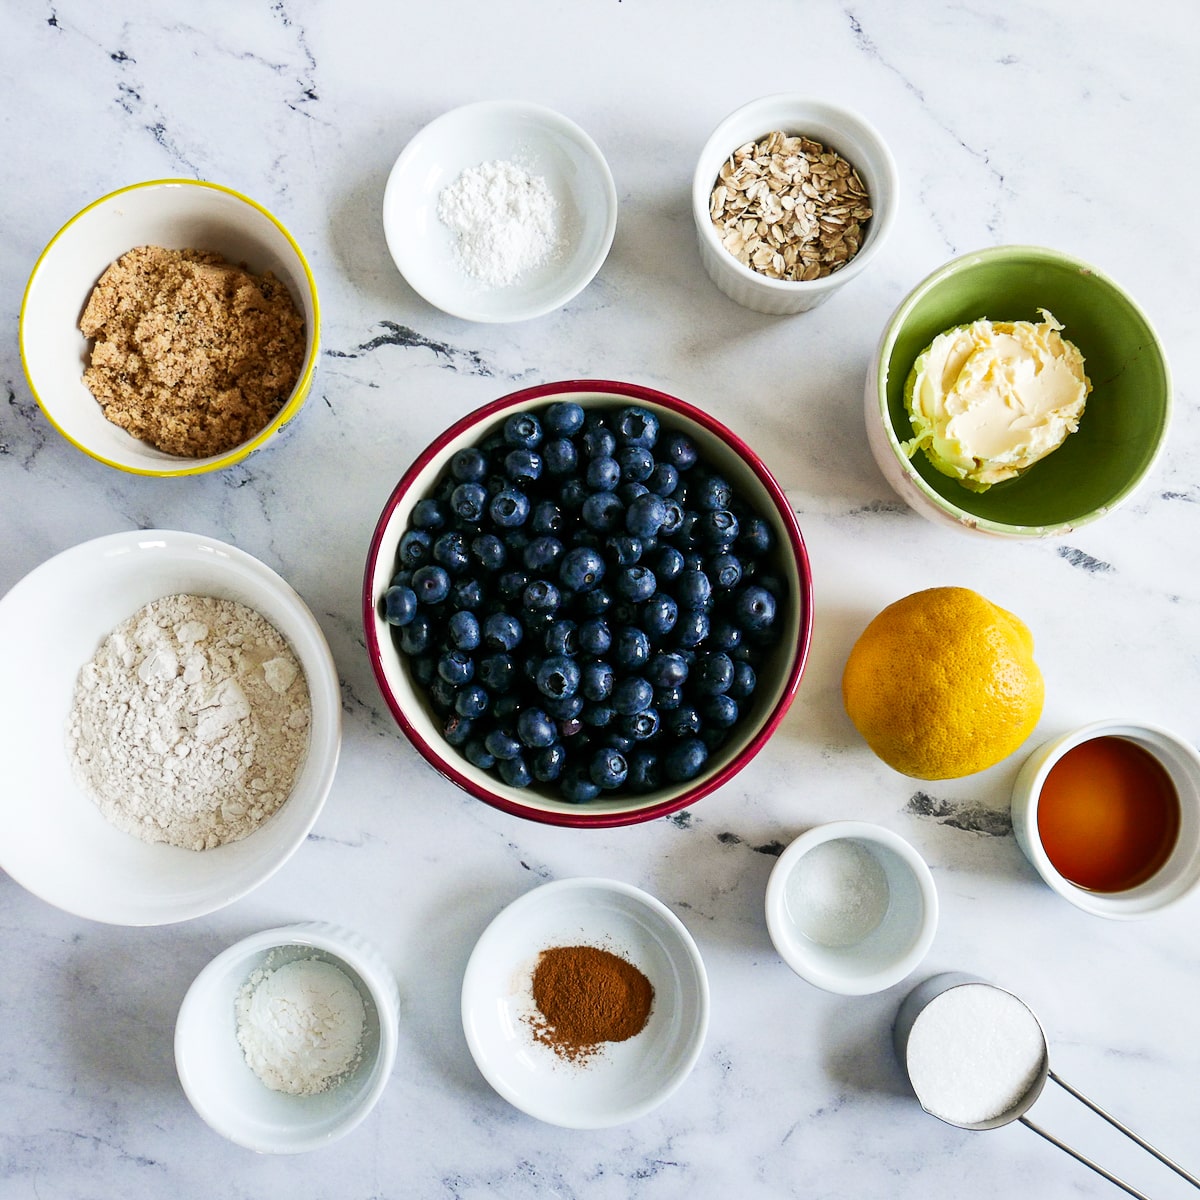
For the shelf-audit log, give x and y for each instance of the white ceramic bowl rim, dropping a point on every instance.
(879, 385)
(1179, 876)
(841, 970)
(185, 466)
(884, 205)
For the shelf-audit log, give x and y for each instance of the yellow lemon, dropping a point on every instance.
(943, 684)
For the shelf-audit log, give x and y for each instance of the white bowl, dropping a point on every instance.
(178, 214)
(223, 1089)
(541, 142)
(628, 1079)
(838, 129)
(1179, 875)
(892, 949)
(56, 843)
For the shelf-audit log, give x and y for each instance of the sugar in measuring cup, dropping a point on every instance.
(977, 1058)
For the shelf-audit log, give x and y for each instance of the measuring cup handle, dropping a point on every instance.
(1087, 1162)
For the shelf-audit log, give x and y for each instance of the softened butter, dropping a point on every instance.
(990, 399)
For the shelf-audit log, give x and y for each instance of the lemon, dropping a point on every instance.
(943, 684)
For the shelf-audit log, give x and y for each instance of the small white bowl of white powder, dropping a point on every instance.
(286, 1040)
(500, 211)
(851, 907)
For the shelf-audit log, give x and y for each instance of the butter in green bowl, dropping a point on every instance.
(1120, 433)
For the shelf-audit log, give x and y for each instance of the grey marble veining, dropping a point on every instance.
(1064, 125)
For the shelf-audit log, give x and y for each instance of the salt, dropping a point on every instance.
(974, 1052)
(837, 894)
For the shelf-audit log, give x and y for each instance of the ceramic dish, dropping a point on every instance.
(178, 214)
(56, 842)
(885, 953)
(1123, 426)
(778, 679)
(626, 1079)
(212, 1067)
(542, 143)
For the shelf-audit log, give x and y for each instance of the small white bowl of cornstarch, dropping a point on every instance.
(172, 724)
(286, 1040)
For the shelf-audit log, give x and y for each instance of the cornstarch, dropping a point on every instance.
(190, 723)
(505, 221)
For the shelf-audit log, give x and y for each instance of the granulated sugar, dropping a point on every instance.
(973, 1053)
(838, 893)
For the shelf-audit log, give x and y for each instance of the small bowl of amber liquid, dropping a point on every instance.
(1109, 815)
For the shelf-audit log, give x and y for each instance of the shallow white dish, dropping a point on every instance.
(56, 843)
(892, 949)
(213, 1070)
(541, 142)
(625, 1080)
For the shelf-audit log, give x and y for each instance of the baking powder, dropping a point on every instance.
(190, 723)
(505, 221)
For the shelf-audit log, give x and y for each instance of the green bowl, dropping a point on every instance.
(1123, 427)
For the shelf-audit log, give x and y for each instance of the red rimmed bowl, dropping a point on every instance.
(778, 677)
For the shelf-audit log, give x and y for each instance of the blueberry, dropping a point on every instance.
(628, 491)
(679, 450)
(472, 701)
(613, 739)
(502, 744)
(726, 571)
(640, 726)
(667, 562)
(511, 584)
(691, 629)
(541, 596)
(755, 538)
(557, 676)
(497, 672)
(632, 695)
(573, 493)
(581, 569)
(560, 457)
(713, 674)
(602, 511)
(644, 775)
(469, 502)
(431, 584)
(509, 508)
(450, 551)
(637, 426)
(623, 549)
(725, 635)
(577, 786)
(595, 637)
(523, 466)
(603, 474)
(744, 681)
(547, 764)
(635, 463)
(659, 615)
(753, 606)
(674, 519)
(506, 708)
(598, 442)
(564, 418)
(684, 760)
(488, 551)
(466, 593)
(597, 680)
(562, 637)
(667, 670)
(535, 728)
(399, 605)
(514, 772)
(478, 755)
(693, 589)
(594, 602)
(716, 531)
(522, 429)
(501, 631)
(428, 514)
(456, 667)
(667, 699)
(608, 768)
(635, 584)
(598, 716)
(457, 729)
(682, 722)
(646, 515)
(443, 693)
(631, 648)
(424, 669)
(719, 712)
(469, 465)
(663, 480)
(415, 548)
(563, 709)
(462, 630)
(546, 518)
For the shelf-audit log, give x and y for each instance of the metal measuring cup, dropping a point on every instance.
(915, 1003)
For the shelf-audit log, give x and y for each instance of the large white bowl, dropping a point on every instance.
(628, 1079)
(56, 842)
(212, 1068)
(178, 214)
(540, 141)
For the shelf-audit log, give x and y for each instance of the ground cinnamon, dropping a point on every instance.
(585, 997)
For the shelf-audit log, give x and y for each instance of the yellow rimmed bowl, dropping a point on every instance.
(178, 214)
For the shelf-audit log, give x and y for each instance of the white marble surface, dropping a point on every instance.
(1072, 126)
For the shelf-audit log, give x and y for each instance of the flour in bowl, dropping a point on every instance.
(190, 723)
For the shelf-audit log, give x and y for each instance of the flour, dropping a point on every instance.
(505, 221)
(300, 1025)
(190, 723)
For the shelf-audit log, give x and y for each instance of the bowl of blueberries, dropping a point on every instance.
(588, 603)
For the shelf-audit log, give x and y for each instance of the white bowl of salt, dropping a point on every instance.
(851, 907)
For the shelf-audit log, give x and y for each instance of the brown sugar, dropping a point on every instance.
(587, 996)
(191, 353)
